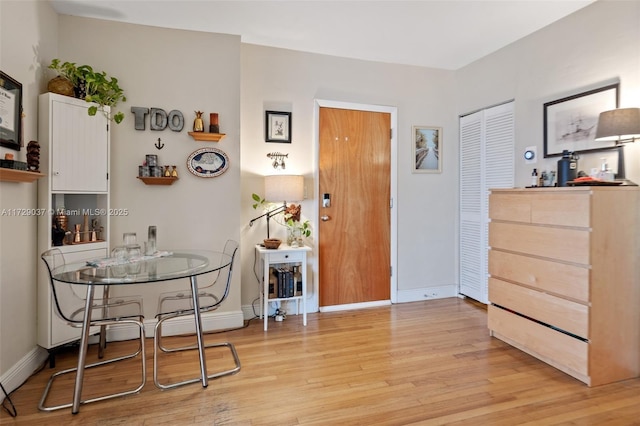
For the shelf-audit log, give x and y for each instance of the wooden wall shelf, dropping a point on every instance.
(158, 180)
(12, 175)
(207, 137)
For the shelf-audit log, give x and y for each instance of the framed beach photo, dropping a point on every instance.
(277, 127)
(570, 123)
(427, 149)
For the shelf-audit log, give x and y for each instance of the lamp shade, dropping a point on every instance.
(279, 188)
(621, 124)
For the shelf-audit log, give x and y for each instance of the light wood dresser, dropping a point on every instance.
(564, 286)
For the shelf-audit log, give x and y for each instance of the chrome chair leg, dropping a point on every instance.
(159, 347)
(140, 351)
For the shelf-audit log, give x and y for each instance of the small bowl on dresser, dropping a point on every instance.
(272, 243)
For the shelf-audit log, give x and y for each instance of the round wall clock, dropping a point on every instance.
(208, 162)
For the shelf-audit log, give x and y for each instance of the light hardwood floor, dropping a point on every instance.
(427, 363)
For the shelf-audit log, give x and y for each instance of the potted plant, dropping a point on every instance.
(296, 228)
(92, 86)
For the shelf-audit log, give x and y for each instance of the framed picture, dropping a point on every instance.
(570, 123)
(10, 112)
(277, 127)
(427, 149)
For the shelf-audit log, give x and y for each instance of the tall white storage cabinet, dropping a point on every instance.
(74, 156)
(486, 161)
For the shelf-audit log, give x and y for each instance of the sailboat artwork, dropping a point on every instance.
(577, 128)
(427, 149)
(570, 123)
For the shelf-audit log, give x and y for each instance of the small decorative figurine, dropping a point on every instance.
(33, 156)
(174, 172)
(198, 123)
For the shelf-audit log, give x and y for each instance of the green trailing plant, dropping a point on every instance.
(93, 86)
(304, 227)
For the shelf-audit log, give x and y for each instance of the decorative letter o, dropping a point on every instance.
(176, 120)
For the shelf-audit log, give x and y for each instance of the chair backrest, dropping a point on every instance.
(226, 273)
(67, 302)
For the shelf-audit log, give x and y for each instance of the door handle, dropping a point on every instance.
(325, 218)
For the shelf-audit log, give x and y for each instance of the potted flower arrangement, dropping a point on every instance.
(295, 228)
(92, 86)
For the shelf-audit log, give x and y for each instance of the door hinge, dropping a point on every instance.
(391, 203)
(390, 133)
(107, 176)
(391, 271)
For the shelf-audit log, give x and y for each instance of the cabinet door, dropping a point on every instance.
(79, 149)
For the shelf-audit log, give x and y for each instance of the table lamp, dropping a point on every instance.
(621, 126)
(281, 188)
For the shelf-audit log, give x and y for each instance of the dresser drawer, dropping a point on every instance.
(562, 208)
(540, 341)
(570, 245)
(564, 314)
(545, 208)
(545, 275)
(514, 207)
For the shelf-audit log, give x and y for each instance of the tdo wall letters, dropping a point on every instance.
(158, 119)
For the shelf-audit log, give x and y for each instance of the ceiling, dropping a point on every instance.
(445, 34)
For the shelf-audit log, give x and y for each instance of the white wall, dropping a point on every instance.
(278, 78)
(28, 39)
(594, 47)
(172, 70)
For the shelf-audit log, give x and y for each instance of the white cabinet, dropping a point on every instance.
(79, 145)
(284, 277)
(74, 157)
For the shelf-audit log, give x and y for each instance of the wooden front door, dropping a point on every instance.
(354, 230)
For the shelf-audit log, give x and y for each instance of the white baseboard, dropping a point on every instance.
(183, 325)
(23, 369)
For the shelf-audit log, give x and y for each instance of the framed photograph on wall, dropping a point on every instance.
(277, 127)
(427, 149)
(570, 123)
(10, 112)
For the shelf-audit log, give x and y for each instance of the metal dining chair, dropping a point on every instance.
(104, 312)
(178, 304)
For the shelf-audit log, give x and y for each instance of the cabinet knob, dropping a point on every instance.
(56, 173)
(286, 256)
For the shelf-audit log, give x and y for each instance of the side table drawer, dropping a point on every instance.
(555, 311)
(540, 341)
(285, 257)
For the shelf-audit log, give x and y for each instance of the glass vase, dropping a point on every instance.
(294, 237)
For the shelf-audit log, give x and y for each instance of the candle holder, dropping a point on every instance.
(213, 123)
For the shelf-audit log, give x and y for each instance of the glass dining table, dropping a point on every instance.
(163, 266)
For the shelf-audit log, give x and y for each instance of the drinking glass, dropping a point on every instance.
(120, 254)
(134, 252)
(129, 239)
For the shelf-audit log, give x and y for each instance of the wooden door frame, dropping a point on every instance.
(393, 111)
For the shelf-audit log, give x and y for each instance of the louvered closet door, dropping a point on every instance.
(486, 161)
